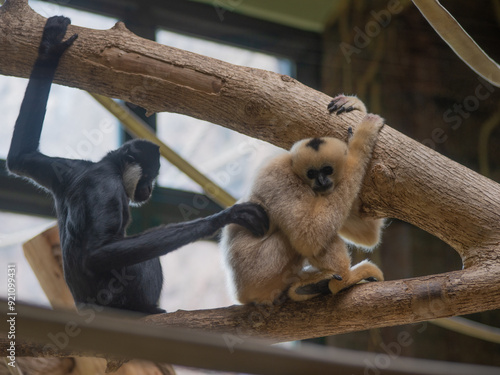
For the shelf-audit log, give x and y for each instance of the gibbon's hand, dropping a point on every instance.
(343, 103)
(52, 46)
(375, 121)
(251, 216)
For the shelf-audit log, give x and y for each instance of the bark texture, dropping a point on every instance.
(406, 180)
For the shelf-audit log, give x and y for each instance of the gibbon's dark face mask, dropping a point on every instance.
(321, 179)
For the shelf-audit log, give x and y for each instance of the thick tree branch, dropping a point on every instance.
(407, 180)
(359, 308)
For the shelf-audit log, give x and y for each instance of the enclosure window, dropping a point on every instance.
(14, 231)
(76, 126)
(227, 157)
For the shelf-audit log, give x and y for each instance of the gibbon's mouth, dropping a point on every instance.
(323, 188)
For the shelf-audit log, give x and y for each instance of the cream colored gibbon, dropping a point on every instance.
(311, 197)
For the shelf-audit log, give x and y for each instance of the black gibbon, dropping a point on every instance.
(101, 264)
(311, 197)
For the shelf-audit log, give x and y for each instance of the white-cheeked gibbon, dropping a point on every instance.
(311, 197)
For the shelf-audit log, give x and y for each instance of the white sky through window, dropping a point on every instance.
(229, 158)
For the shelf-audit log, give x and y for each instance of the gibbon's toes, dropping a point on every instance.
(332, 106)
(341, 110)
(342, 103)
(335, 285)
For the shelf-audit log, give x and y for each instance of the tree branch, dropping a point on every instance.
(407, 180)
(361, 307)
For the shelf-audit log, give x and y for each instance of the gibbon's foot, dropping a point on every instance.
(312, 284)
(370, 279)
(342, 103)
(362, 272)
(314, 289)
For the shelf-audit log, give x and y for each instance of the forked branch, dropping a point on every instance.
(407, 180)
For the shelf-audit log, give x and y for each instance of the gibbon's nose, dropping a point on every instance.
(323, 182)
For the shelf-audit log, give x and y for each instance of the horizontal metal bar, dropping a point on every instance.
(128, 338)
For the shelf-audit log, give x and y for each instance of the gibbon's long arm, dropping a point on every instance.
(24, 157)
(359, 155)
(164, 239)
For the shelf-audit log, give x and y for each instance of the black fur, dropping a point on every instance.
(101, 264)
(315, 143)
(320, 287)
(339, 108)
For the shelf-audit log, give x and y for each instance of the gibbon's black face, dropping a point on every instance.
(142, 164)
(143, 190)
(321, 179)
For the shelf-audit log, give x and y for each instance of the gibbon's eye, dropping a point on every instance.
(312, 174)
(327, 170)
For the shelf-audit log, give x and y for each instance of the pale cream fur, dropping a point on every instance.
(305, 225)
(131, 176)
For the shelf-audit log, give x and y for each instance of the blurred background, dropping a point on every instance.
(383, 51)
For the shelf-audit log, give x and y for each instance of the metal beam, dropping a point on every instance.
(123, 337)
